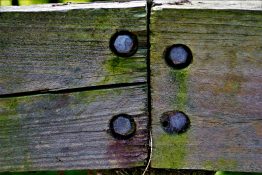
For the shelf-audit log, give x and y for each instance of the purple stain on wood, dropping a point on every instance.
(133, 151)
(127, 153)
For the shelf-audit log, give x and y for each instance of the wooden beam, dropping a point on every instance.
(71, 130)
(220, 91)
(52, 47)
(66, 47)
(254, 5)
(60, 2)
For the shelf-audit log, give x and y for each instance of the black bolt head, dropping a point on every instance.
(175, 122)
(178, 56)
(124, 44)
(122, 126)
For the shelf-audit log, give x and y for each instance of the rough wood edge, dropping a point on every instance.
(255, 5)
(72, 6)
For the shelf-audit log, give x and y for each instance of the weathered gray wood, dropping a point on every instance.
(71, 130)
(58, 47)
(208, 4)
(221, 91)
(180, 172)
(65, 2)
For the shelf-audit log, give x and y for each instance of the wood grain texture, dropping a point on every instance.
(209, 4)
(127, 171)
(71, 130)
(221, 91)
(180, 172)
(59, 47)
(34, 2)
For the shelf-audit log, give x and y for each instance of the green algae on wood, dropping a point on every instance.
(236, 173)
(172, 151)
(215, 164)
(180, 78)
(11, 139)
(120, 67)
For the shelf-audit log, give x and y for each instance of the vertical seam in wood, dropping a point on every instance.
(149, 102)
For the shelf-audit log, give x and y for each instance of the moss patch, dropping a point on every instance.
(171, 151)
(180, 80)
(235, 173)
(15, 149)
(10, 104)
(122, 66)
(220, 163)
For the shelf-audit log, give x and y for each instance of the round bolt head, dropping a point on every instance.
(175, 122)
(178, 56)
(122, 126)
(124, 44)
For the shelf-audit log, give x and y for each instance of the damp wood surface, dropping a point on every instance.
(221, 91)
(71, 130)
(52, 47)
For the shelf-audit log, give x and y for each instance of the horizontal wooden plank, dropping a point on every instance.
(208, 4)
(75, 6)
(71, 130)
(180, 172)
(128, 171)
(220, 91)
(64, 2)
(59, 47)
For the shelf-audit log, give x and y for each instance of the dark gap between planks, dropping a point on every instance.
(61, 91)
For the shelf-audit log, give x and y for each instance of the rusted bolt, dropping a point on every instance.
(122, 126)
(175, 122)
(178, 56)
(124, 43)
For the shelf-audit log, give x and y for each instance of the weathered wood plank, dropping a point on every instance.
(221, 91)
(129, 171)
(49, 47)
(208, 4)
(71, 130)
(180, 172)
(34, 2)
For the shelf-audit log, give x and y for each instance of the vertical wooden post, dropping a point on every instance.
(220, 90)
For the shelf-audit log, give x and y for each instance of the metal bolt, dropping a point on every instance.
(175, 122)
(178, 56)
(122, 126)
(124, 43)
